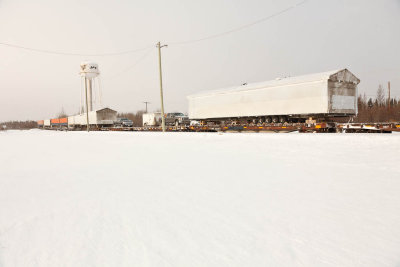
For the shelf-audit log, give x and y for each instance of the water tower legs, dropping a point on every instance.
(90, 93)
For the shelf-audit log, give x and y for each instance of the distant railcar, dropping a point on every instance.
(98, 118)
(152, 119)
(59, 122)
(321, 96)
(46, 124)
(40, 123)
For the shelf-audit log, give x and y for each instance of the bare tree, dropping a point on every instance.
(62, 113)
(20, 125)
(380, 96)
(370, 103)
(376, 109)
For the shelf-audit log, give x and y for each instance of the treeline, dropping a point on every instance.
(18, 125)
(378, 109)
(136, 118)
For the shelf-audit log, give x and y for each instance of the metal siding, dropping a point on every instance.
(343, 102)
(302, 95)
(105, 116)
(340, 94)
(93, 119)
(303, 98)
(152, 119)
(149, 119)
(99, 117)
(80, 119)
(356, 100)
(55, 121)
(71, 120)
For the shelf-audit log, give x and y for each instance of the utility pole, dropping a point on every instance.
(146, 104)
(159, 46)
(389, 94)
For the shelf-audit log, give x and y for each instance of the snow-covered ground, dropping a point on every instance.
(199, 199)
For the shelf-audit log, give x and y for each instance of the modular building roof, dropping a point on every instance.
(334, 75)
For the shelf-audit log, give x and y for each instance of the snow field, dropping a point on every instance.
(199, 199)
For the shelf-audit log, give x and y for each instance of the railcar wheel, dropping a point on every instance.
(275, 119)
(261, 120)
(268, 119)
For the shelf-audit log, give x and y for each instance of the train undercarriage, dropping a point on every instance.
(257, 124)
(275, 119)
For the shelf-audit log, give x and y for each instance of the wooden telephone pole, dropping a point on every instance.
(145, 102)
(389, 93)
(159, 46)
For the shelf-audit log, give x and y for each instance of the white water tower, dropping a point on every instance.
(89, 71)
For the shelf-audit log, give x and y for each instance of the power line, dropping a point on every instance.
(240, 27)
(53, 52)
(74, 54)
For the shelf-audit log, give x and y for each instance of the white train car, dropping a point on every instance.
(321, 95)
(71, 121)
(98, 118)
(152, 119)
(46, 123)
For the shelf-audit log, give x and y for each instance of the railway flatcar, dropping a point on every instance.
(322, 96)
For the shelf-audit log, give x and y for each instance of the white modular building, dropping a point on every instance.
(152, 119)
(327, 94)
(101, 117)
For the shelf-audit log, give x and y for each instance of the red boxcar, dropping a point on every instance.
(55, 121)
(59, 122)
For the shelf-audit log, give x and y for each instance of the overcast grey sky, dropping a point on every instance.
(320, 35)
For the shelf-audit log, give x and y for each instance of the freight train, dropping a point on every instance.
(322, 96)
(97, 119)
